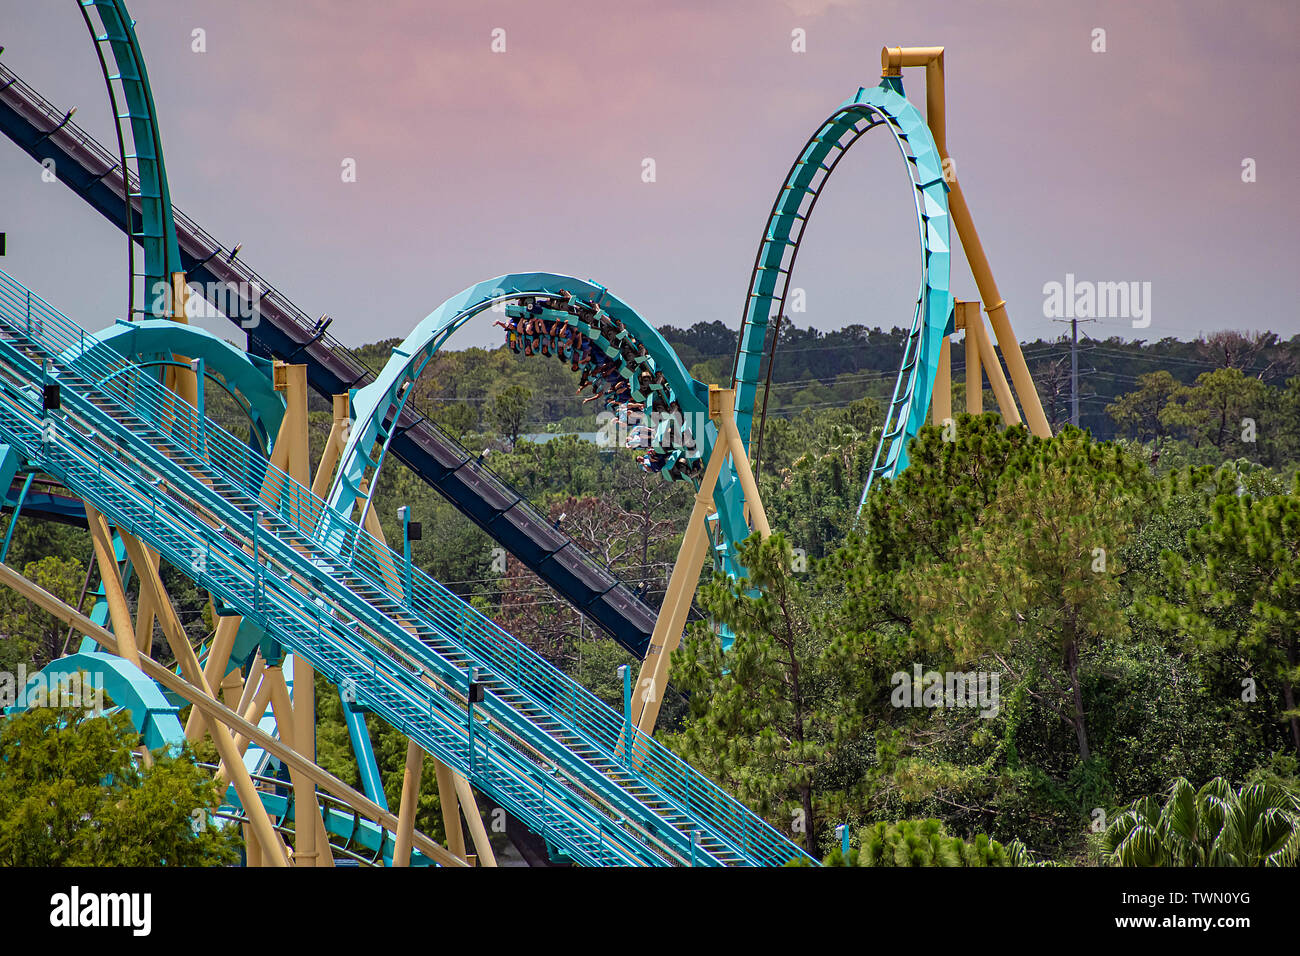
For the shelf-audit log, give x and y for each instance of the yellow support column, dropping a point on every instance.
(144, 616)
(333, 447)
(667, 634)
(118, 610)
(477, 832)
(410, 801)
(182, 380)
(941, 400)
(450, 809)
(736, 448)
(214, 668)
(252, 713)
(231, 687)
(1001, 390)
(292, 447)
(892, 60)
(252, 848)
(252, 684)
(309, 833)
(965, 316)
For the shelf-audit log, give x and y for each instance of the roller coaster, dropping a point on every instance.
(109, 428)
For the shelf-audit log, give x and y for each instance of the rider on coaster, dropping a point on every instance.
(512, 333)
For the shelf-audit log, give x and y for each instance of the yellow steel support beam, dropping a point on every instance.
(232, 687)
(216, 711)
(118, 610)
(450, 808)
(965, 316)
(736, 448)
(214, 668)
(1001, 390)
(667, 634)
(252, 849)
(410, 802)
(892, 60)
(259, 692)
(941, 400)
(305, 853)
(144, 615)
(182, 381)
(474, 819)
(329, 458)
(251, 685)
(294, 437)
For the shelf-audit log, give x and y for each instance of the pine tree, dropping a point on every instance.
(1241, 594)
(73, 793)
(1039, 572)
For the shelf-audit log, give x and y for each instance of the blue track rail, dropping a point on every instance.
(538, 744)
(871, 107)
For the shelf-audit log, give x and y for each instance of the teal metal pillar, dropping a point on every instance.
(9, 457)
(404, 515)
(626, 673)
(197, 366)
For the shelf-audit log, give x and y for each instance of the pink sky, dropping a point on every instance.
(1117, 166)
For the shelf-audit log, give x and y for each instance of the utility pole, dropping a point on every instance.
(1074, 367)
(1074, 372)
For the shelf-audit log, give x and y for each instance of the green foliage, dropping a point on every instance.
(27, 634)
(1255, 825)
(1240, 595)
(812, 472)
(926, 843)
(1138, 414)
(72, 794)
(508, 410)
(1212, 410)
(1039, 571)
(947, 485)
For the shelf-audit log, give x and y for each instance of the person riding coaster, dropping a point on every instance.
(639, 438)
(652, 462)
(629, 413)
(511, 325)
(619, 369)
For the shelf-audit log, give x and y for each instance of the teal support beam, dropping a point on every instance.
(7, 476)
(404, 513)
(625, 672)
(372, 783)
(196, 365)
